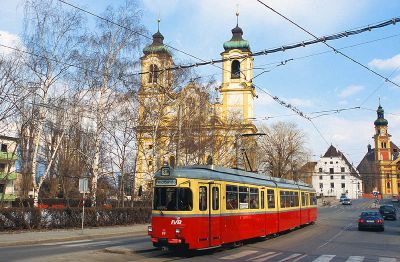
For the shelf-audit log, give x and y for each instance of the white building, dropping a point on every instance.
(334, 176)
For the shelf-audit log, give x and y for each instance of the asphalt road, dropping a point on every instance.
(334, 237)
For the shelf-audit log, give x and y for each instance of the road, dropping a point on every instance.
(334, 237)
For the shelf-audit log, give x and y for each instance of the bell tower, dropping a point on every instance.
(383, 156)
(237, 91)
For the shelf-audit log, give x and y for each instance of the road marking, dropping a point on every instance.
(239, 255)
(355, 259)
(262, 255)
(289, 257)
(387, 259)
(265, 257)
(324, 258)
(297, 259)
(88, 244)
(65, 242)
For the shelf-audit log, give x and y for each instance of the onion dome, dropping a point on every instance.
(237, 42)
(380, 121)
(157, 46)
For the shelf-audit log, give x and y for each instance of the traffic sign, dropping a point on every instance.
(83, 185)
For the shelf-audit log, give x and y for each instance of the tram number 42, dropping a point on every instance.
(176, 221)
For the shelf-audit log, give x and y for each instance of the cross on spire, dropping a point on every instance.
(158, 23)
(237, 14)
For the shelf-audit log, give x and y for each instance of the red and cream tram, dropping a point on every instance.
(199, 207)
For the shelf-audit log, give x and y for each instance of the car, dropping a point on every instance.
(342, 197)
(346, 201)
(388, 212)
(395, 199)
(371, 220)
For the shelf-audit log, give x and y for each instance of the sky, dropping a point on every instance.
(311, 81)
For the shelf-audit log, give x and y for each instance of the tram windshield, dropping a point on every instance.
(173, 199)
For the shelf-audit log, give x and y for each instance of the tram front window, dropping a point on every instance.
(172, 199)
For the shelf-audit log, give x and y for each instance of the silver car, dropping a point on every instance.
(346, 201)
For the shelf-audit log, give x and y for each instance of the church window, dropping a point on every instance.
(331, 171)
(331, 177)
(153, 74)
(150, 146)
(332, 185)
(342, 169)
(387, 176)
(320, 169)
(388, 185)
(235, 69)
(150, 163)
(331, 162)
(342, 177)
(320, 177)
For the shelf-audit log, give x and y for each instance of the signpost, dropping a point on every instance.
(83, 188)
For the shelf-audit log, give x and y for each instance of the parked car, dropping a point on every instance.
(395, 199)
(371, 220)
(346, 201)
(342, 197)
(388, 211)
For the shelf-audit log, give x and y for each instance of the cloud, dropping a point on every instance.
(263, 100)
(386, 64)
(161, 7)
(9, 39)
(350, 90)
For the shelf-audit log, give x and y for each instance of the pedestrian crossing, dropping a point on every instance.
(259, 256)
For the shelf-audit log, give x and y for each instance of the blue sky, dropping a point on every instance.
(319, 82)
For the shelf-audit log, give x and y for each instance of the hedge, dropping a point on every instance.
(55, 218)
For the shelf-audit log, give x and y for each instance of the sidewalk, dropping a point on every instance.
(36, 237)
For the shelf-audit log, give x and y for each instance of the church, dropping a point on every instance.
(380, 167)
(186, 126)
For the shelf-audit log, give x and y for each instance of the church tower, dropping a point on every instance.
(154, 98)
(383, 156)
(237, 91)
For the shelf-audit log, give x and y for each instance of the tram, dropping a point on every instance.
(201, 207)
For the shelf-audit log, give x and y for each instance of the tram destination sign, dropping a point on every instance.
(166, 182)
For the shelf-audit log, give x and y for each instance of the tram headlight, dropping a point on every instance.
(177, 231)
(150, 229)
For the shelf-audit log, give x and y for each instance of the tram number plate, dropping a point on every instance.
(166, 182)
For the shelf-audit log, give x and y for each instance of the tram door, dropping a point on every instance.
(210, 202)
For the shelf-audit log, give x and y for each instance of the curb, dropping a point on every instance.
(43, 241)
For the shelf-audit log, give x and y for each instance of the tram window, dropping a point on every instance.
(202, 198)
(271, 198)
(215, 198)
(308, 199)
(173, 199)
(303, 199)
(231, 197)
(254, 198)
(313, 199)
(296, 199)
(243, 197)
(262, 199)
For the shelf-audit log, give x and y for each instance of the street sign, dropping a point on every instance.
(83, 185)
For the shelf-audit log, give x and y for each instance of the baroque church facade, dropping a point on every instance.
(380, 167)
(185, 127)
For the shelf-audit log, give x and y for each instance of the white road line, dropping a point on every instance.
(88, 244)
(239, 255)
(324, 258)
(65, 242)
(262, 259)
(299, 258)
(387, 259)
(355, 259)
(289, 257)
(262, 255)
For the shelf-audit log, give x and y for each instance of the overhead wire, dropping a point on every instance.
(323, 39)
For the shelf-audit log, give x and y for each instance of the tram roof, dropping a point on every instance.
(211, 172)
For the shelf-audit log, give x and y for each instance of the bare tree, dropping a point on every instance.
(110, 54)
(51, 33)
(282, 151)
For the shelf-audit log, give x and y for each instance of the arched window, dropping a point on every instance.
(172, 161)
(235, 69)
(388, 185)
(153, 74)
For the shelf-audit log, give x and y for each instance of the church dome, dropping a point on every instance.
(380, 121)
(237, 42)
(157, 46)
